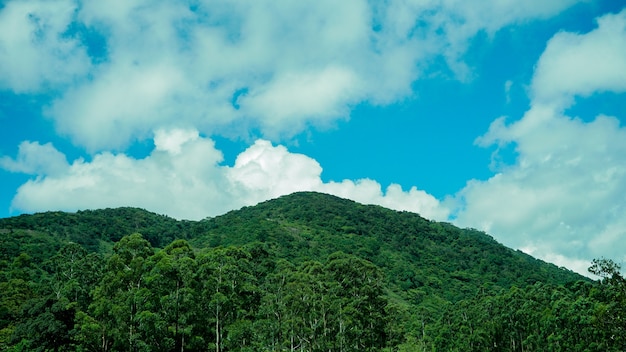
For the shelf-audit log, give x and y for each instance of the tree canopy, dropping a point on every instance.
(306, 272)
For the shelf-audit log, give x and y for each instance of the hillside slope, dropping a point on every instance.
(430, 257)
(306, 270)
(418, 256)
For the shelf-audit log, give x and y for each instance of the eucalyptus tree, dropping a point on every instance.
(172, 308)
(122, 294)
(229, 295)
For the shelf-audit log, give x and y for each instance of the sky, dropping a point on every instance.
(500, 115)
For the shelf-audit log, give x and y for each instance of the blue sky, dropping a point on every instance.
(504, 116)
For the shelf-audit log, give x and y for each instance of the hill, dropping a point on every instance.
(301, 259)
(415, 252)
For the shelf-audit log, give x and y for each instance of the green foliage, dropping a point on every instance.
(611, 313)
(307, 272)
(94, 228)
(539, 318)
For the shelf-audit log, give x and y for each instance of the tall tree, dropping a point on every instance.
(228, 291)
(611, 313)
(362, 318)
(122, 294)
(74, 272)
(172, 284)
(272, 316)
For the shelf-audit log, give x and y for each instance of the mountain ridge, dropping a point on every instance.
(315, 224)
(423, 285)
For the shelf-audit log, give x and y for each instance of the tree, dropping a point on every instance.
(272, 319)
(172, 294)
(74, 272)
(18, 288)
(611, 312)
(228, 291)
(361, 319)
(122, 294)
(47, 325)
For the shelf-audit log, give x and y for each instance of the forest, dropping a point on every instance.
(304, 272)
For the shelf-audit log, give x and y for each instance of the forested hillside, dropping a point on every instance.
(306, 272)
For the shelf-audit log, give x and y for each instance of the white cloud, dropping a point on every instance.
(35, 51)
(493, 15)
(122, 105)
(581, 64)
(264, 171)
(368, 191)
(183, 178)
(563, 198)
(36, 159)
(289, 101)
(576, 264)
(275, 66)
(173, 141)
(449, 25)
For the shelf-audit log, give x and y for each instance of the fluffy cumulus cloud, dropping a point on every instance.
(122, 69)
(182, 177)
(36, 48)
(36, 159)
(581, 64)
(563, 199)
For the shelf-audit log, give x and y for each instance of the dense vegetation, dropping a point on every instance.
(306, 272)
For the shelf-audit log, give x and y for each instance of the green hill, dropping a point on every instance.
(416, 253)
(306, 271)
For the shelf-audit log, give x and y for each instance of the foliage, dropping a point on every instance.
(307, 272)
